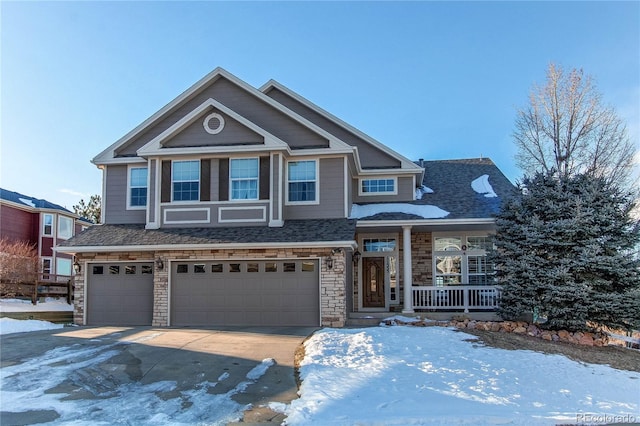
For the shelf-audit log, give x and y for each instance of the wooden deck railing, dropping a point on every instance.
(40, 285)
(459, 297)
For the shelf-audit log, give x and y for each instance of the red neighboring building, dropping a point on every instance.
(41, 223)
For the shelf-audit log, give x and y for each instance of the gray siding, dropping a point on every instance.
(370, 156)
(405, 192)
(240, 101)
(331, 194)
(116, 198)
(233, 133)
(233, 214)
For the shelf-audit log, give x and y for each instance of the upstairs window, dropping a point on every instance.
(377, 186)
(47, 225)
(185, 180)
(137, 187)
(244, 178)
(65, 227)
(302, 181)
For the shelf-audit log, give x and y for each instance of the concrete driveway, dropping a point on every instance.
(146, 375)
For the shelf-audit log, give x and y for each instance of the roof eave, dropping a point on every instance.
(215, 246)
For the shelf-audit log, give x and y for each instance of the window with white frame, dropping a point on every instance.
(377, 186)
(462, 260)
(138, 187)
(65, 227)
(46, 267)
(63, 266)
(302, 181)
(185, 180)
(47, 225)
(243, 178)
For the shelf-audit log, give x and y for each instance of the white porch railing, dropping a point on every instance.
(459, 297)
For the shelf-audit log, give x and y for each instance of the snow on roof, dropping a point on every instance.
(420, 191)
(482, 186)
(27, 201)
(426, 211)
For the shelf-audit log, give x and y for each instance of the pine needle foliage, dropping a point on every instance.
(567, 249)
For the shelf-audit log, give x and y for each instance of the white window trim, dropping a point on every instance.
(60, 260)
(199, 183)
(463, 253)
(71, 229)
(369, 194)
(129, 168)
(238, 179)
(286, 183)
(53, 224)
(50, 259)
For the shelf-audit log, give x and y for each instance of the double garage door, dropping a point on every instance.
(251, 292)
(211, 293)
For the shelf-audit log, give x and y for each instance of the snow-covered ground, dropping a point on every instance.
(434, 375)
(369, 376)
(50, 304)
(8, 325)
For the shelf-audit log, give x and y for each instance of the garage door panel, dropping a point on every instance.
(115, 297)
(281, 293)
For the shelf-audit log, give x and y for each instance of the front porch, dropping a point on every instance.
(429, 272)
(441, 303)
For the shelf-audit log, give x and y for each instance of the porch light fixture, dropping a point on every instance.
(329, 262)
(76, 266)
(159, 264)
(356, 257)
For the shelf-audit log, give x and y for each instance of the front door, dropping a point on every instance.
(373, 292)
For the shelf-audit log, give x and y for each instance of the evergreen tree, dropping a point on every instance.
(90, 210)
(566, 250)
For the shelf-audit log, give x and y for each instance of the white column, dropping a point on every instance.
(408, 274)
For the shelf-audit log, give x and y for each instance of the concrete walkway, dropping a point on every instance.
(147, 355)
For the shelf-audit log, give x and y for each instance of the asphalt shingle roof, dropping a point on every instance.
(450, 181)
(28, 201)
(293, 231)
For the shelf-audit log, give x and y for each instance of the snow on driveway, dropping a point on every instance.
(38, 385)
(427, 376)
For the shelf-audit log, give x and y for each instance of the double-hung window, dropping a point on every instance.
(185, 180)
(47, 224)
(302, 181)
(137, 187)
(243, 177)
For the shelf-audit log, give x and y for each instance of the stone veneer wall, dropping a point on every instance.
(333, 309)
(422, 258)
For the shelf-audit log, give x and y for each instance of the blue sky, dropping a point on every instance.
(431, 80)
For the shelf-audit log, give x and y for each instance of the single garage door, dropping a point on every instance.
(251, 292)
(120, 294)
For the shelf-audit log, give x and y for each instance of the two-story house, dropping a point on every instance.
(41, 224)
(235, 205)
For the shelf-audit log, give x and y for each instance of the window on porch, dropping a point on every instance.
(462, 260)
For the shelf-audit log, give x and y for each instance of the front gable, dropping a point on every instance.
(211, 127)
(237, 96)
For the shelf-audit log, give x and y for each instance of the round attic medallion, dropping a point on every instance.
(214, 119)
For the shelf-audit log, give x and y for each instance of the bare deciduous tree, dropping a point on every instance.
(18, 260)
(566, 128)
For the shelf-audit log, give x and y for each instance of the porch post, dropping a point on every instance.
(408, 274)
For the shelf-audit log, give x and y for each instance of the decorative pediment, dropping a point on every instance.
(210, 127)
